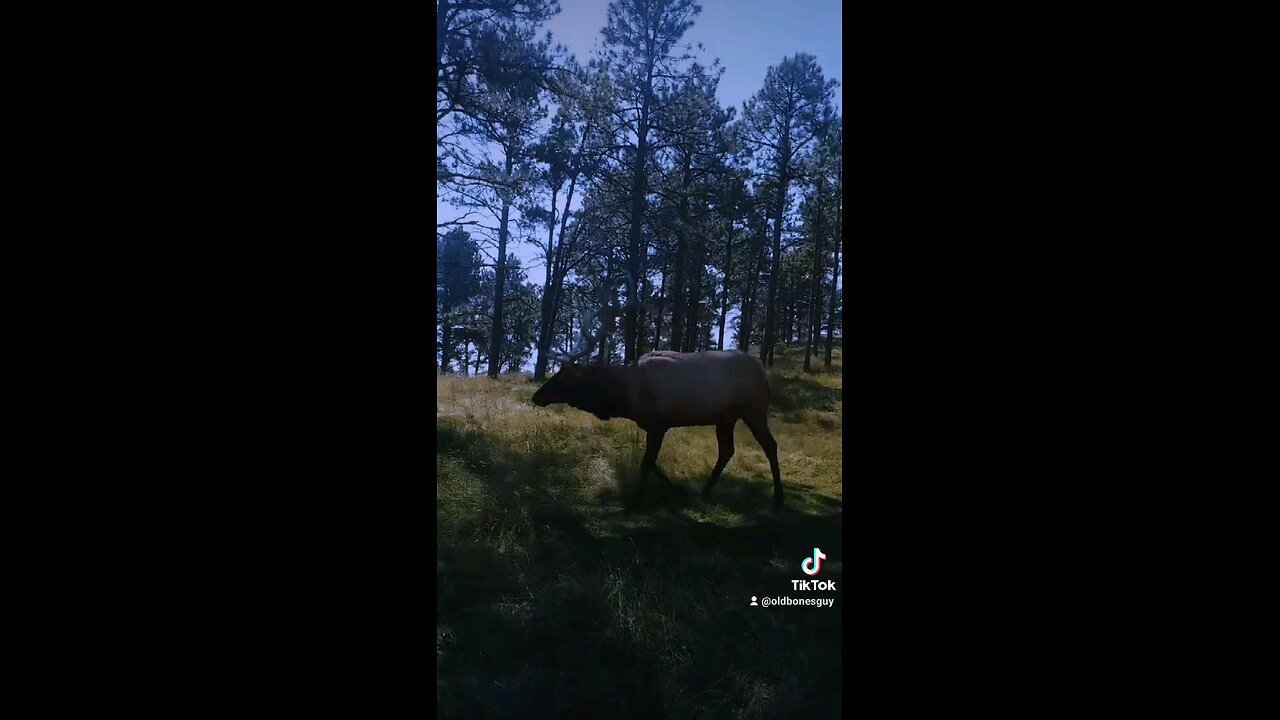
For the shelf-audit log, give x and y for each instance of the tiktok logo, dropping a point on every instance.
(812, 565)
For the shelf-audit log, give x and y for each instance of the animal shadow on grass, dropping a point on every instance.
(751, 497)
(548, 607)
(748, 496)
(658, 494)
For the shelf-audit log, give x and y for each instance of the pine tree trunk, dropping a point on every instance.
(724, 290)
(603, 338)
(442, 12)
(548, 295)
(816, 280)
(646, 287)
(447, 336)
(657, 316)
(632, 328)
(557, 275)
(695, 298)
(835, 273)
(789, 313)
(678, 291)
(749, 292)
(770, 316)
(500, 280)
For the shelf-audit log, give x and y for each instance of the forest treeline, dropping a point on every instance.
(690, 212)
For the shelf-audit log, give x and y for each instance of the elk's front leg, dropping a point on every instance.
(653, 443)
(724, 434)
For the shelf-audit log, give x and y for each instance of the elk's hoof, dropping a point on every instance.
(706, 496)
(777, 501)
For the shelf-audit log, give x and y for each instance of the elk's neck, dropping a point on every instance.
(610, 397)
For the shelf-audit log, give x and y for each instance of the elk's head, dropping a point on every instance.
(562, 386)
(567, 385)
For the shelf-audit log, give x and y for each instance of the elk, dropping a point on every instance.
(671, 389)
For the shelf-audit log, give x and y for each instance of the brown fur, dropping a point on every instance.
(670, 389)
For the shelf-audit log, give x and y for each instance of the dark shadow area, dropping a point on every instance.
(751, 496)
(554, 607)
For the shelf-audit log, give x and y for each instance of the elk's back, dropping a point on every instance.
(702, 388)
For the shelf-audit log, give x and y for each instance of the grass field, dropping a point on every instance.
(554, 600)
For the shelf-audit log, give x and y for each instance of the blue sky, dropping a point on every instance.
(748, 36)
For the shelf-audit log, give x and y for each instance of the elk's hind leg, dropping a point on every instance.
(724, 434)
(759, 425)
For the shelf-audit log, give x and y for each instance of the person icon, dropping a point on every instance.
(753, 601)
